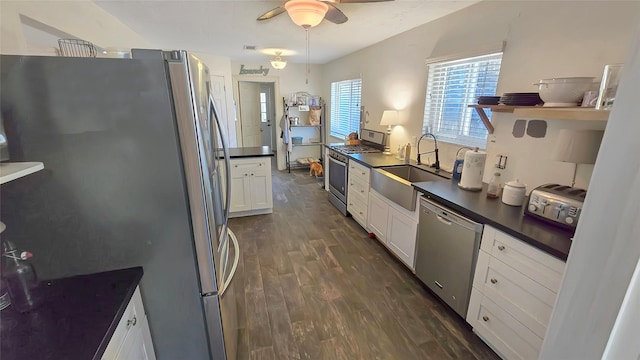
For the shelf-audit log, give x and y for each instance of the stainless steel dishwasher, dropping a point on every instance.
(448, 246)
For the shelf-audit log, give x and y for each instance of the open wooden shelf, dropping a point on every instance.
(541, 112)
(12, 171)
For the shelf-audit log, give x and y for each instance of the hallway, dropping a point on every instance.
(312, 285)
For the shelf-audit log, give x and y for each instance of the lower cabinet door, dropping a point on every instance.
(378, 217)
(135, 346)
(261, 192)
(240, 191)
(401, 236)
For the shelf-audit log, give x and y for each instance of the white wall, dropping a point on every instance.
(544, 39)
(289, 80)
(81, 18)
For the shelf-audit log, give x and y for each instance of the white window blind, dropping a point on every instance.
(345, 107)
(451, 87)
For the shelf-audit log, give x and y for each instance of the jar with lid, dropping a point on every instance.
(493, 190)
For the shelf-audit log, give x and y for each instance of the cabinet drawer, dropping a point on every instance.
(537, 265)
(133, 315)
(243, 165)
(359, 171)
(358, 209)
(503, 332)
(359, 188)
(526, 300)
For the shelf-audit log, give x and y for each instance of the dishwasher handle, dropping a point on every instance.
(448, 216)
(443, 220)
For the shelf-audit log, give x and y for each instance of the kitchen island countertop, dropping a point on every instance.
(247, 152)
(76, 320)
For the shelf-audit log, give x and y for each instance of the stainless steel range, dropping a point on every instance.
(372, 142)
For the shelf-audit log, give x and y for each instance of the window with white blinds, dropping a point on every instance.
(345, 107)
(451, 87)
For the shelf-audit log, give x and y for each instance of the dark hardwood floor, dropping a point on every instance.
(312, 285)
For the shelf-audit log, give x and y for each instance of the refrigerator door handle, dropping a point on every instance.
(234, 267)
(227, 161)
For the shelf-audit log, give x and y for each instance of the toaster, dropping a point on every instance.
(557, 204)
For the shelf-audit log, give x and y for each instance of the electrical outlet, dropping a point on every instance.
(414, 141)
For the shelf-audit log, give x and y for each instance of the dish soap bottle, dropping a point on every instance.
(493, 191)
(407, 153)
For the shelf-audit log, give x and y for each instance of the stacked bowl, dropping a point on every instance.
(567, 91)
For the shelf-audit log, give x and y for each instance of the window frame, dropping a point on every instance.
(337, 128)
(440, 70)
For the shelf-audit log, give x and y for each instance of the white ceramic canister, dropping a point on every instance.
(513, 193)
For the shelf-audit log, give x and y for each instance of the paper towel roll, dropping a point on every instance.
(473, 169)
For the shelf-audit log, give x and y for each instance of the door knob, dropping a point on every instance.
(485, 318)
(494, 280)
(501, 247)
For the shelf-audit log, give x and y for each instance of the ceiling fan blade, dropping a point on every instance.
(335, 15)
(359, 1)
(271, 13)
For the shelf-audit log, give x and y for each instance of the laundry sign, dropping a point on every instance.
(262, 70)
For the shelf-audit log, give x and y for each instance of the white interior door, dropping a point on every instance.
(218, 91)
(250, 113)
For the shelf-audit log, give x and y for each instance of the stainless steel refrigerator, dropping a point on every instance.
(134, 160)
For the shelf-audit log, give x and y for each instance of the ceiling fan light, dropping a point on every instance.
(306, 13)
(278, 63)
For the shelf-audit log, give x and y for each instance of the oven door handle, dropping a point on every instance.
(338, 161)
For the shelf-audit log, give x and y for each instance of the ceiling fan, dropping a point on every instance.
(325, 8)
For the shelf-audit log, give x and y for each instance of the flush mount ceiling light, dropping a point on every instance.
(277, 61)
(306, 13)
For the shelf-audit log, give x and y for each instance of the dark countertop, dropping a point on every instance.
(245, 152)
(76, 320)
(475, 205)
(510, 219)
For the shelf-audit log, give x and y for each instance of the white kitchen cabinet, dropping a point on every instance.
(358, 192)
(395, 226)
(514, 290)
(251, 190)
(401, 235)
(131, 340)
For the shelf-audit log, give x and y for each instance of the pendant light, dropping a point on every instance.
(277, 61)
(306, 13)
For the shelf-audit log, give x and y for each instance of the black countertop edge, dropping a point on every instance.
(551, 239)
(378, 160)
(247, 152)
(136, 276)
(76, 319)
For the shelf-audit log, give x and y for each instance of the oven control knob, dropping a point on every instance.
(533, 208)
(569, 220)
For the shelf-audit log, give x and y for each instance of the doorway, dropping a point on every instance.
(257, 113)
(252, 132)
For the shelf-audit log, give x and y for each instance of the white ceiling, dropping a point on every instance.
(224, 27)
